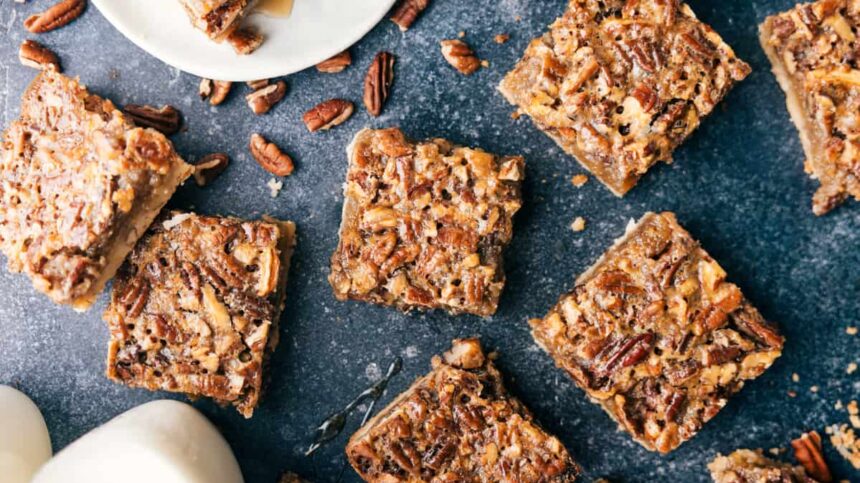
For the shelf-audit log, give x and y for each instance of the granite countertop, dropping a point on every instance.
(737, 185)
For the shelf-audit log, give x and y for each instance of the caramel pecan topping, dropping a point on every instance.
(377, 83)
(166, 119)
(407, 11)
(270, 157)
(746, 466)
(59, 15)
(328, 114)
(35, 55)
(210, 167)
(245, 40)
(262, 100)
(335, 64)
(460, 56)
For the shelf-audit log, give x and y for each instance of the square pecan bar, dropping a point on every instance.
(748, 466)
(458, 423)
(619, 84)
(424, 224)
(217, 18)
(656, 335)
(195, 308)
(813, 49)
(79, 184)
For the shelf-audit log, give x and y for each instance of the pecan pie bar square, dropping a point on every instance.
(813, 50)
(746, 465)
(79, 184)
(458, 423)
(217, 18)
(195, 308)
(656, 335)
(425, 224)
(619, 84)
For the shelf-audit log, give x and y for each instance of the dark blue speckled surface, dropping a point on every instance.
(737, 185)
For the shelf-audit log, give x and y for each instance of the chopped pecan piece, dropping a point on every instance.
(245, 40)
(460, 56)
(750, 466)
(262, 100)
(210, 167)
(270, 157)
(165, 119)
(59, 15)
(377, 83)
(335, 64)
(257, 84)
(35, 55)
(214, 90)
(407, 11)
(808, 452)
(328, 114)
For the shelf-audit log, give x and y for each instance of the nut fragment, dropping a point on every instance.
(209, 167)
(167, 119)
(262, 100)
(55, 17)
(35, 55)
(377, 83)
(270, 157)
(407, 12)
(245, 40)
(328, 114)
(807, 452)
(501, 38)
(460, 56)
(335, 64)
(216, 91)
(257, 84)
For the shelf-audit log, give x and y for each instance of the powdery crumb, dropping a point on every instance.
(851, 369)
(579, 180)
(274, 187)
(461, 34)
(578, 224)
(851, 330)
(813, 389)
(795, 377)
(372, 372)
(411, 352)
(838, 406)
(485, 64)
(501, 38)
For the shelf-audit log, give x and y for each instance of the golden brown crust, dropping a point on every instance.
(813, 49)
(79, 184)
(747, 466)
(458, 423)
(657, 336)
(424, 224)
(195, 308)
(619, 84)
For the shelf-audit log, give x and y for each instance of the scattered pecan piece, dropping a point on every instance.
(407, 11)
(377, 83)
(245, 40)
(328, 114)
(460, 56)
(57, 16)
(807, 452)
(335, 64)
(215, 91)
(262, 100)
(270, 157)
(209, 168)
(257, 84)
(35, 55)
(166, 120)
(501, 38)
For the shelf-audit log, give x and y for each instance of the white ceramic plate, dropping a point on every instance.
(315, 31)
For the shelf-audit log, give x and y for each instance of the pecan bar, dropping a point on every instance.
(79, 184)
(195, 308)
(217, 18)
(619, 84)
(747, 466)
(815, 59)
(458, 423)
(656, 335)
(424, 224)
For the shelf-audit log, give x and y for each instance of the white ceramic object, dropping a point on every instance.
(160, 441)
(24, 441)
(315, 31)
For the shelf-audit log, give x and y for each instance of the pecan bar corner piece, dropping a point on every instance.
(458, 423)
(80, 184)
(813, 52)
(620, 84)
(195, 308)
(217, 18)
(425, 224)
(746, 465)
(655, 334)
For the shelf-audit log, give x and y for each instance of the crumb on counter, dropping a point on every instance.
(578, 224)
(275, 187)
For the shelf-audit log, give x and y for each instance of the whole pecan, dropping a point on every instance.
(262, 100)
(270, 157)
(35, 55)
(209, 167)
(335, 64)
(245, 40)
(807, 452)
(167, 119)
(407, 11)
(55, 17)
(328, 114)
(215, 91)
(377, 83)
(460, 56)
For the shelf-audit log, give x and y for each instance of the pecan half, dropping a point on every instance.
(335, 64)
(257, 84)
(245, 40)
(262, 100)
(209, 168)
(215, 91)
(460, 56)
(377, 83)
(166, 120)
(60, 14)
(35, 55)
(328, 114)
(270, 157)
(807, 452)
(407, 11)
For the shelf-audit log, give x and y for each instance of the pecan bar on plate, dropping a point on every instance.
(424, 224)
(747, 466)
(619, 84)
(79, 184)
(815, 59)
(217, 18)
(655, 334)
(195, 308)
(458, 423)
